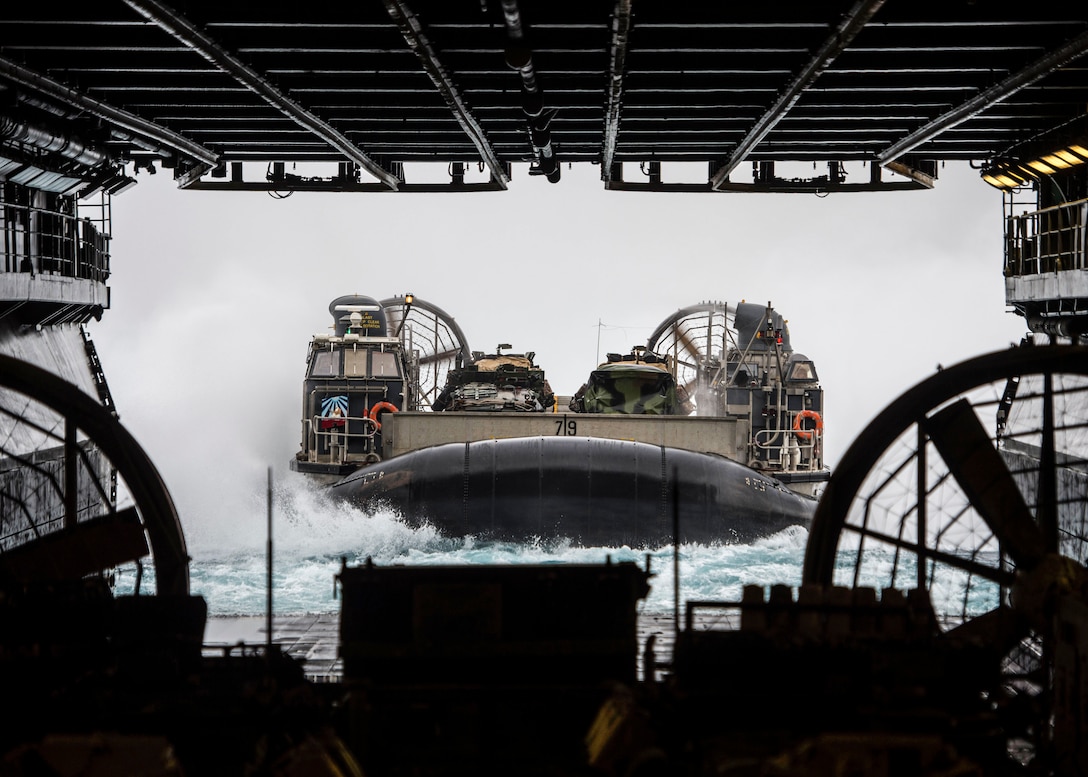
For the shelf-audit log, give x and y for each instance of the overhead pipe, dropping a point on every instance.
(520, 58)
(116, 132)
(1069, 325)
(67, 146)
(160, 138)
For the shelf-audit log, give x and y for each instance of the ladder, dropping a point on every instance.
(96, 371)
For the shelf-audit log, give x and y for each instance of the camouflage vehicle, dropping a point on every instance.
(639, 383)
(497, 382)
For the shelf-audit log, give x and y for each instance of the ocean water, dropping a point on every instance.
(312, 537)
(303, 582)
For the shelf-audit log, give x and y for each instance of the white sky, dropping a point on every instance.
(215, 295)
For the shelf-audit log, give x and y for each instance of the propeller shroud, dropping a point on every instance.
(972, 487)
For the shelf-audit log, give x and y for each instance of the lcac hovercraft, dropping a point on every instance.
(712, 432)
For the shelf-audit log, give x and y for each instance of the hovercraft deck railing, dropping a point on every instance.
(332, 435)
(781, 449)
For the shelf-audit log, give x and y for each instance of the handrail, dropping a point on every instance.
(337, 437)
(369, 425)
(786, 444)
(1059, 206)
(41, 240)
(1052, 239)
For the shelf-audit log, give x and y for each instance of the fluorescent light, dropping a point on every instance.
(1069, 156)
(1011, 173)
(1056, 161)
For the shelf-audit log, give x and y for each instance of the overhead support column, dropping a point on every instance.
(412, 31)
(621, 28)
(145, 134)
(185, 32)
(520, 58)
(1042, 67)
(848, 29)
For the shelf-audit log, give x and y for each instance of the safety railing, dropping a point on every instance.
(1048, 240)
(789, 449)
(53, 239)
(328, 439)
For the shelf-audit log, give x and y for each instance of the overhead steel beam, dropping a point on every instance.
(412, 31)
(185, 32)
(1043, 66)
(621, 28)
(145, 134)
(850, 25)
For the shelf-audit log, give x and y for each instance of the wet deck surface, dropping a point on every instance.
(312, 639)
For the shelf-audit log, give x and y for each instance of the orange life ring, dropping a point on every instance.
(379, 408)
(806, 434)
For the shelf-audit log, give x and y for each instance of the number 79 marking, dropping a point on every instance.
(566, 427)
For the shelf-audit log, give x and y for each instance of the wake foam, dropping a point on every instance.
(313, 537)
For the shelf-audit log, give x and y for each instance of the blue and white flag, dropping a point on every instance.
(329, 405)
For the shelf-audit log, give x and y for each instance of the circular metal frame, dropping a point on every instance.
(914, 410)
(971, 487)
(696, 339)
(149, 493)
(433, 341)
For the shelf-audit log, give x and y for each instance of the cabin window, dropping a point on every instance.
(325, 364)
(384, 365)
(355, 363)
(802, 371)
